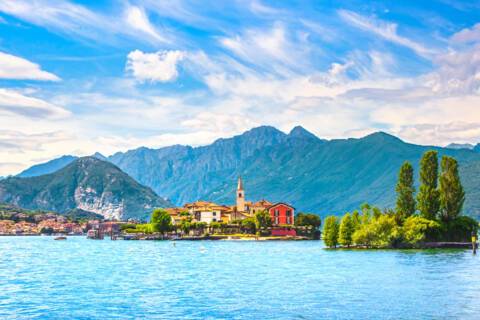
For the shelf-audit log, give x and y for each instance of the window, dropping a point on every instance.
(288, 220)
(239, 195)
(289, 213)
(277, 213)
(276, 220)
(214, 213)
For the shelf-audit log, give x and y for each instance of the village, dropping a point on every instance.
(282, 214)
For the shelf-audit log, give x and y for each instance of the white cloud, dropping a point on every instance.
(159, 66)
(13, 102)
(13, 67)
(137, 18)
(387, 31)
(468, 35)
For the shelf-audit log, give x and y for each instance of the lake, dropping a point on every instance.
(93, 279)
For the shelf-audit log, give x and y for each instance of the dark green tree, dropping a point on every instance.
(262, 220)
(330, 232)
(428, 198)
(405, 206)
(308, 220)
(452, 195)
(249, 225)
(346, 231)
(161, 221)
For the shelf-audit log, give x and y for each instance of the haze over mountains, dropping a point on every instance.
(325, 177)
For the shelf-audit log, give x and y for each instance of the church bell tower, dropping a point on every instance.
(240, 196)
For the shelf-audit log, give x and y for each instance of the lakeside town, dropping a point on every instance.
(196, 220)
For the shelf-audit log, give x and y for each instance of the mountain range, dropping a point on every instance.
(321, 176)
(86, 184)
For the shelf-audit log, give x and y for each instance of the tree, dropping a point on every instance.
(161, 221)
(365, 217)
(262, 220)
(249, 225)
(214, 226)
(428, 197)
(185, 226)
(452, 194)
(417, 229)
(347, 229)
(330, 231)
(356, 219)
(308, 220)
(380, 232)
(405, 192)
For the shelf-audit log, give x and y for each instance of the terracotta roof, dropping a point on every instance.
(262, 203)
(280, 203)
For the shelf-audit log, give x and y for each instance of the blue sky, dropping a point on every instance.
(85, 76)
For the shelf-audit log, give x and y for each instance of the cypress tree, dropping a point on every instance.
(452, 194)
(330, 231)
(347, 228)
(428, 199)
(405, 192)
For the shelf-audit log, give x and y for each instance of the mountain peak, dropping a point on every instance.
(301, 132)
(100, 156)
(460, 146)
(382, 136)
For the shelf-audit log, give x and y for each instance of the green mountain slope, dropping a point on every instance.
(88, 184)
(326, 177)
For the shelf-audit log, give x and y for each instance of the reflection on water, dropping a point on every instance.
(84, 279)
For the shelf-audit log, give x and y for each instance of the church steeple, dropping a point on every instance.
(240, 196)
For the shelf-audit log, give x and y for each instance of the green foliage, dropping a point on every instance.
(379, 233)
(405, 205)
(452, 195)
(347, 228)
(356, 219)
(215, 226)
(428, 197)
(366, 215)
(127, 226)
(460, 229)
(330, 231)
(308, 220)
(161, 221)
(262, 220)
(249, 225)
(185, 226)
(417, 229)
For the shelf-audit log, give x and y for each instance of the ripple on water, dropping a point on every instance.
(84, 279)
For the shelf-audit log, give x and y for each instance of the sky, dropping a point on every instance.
(78, 77)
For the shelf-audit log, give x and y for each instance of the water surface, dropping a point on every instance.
(87, 279)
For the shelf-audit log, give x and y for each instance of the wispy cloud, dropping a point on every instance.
(13, 67)
(137, 18)
(385, 30)
(14, 102)
(68, 18)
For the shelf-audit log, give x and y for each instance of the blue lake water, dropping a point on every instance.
(90, 279)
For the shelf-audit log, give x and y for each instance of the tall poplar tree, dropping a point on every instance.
(347, 228)
(405, 192)
(428, 198)
(452, 194)
(330, 231)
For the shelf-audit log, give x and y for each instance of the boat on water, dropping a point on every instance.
(60, 238)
